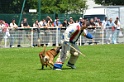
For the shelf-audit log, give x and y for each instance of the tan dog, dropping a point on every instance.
(47, 57)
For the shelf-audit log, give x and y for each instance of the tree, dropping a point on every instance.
(63, 6)
(14, 6)
(110, 2)
(47, 6)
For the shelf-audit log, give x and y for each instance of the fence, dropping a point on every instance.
(29, 37)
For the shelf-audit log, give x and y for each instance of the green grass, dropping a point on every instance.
(103, 63)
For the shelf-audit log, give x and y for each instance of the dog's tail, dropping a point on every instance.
(44, 50)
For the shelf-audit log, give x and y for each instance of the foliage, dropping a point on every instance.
(103, 63)
(110, 2)
(15, 6)
(47, 6)
(63, 6)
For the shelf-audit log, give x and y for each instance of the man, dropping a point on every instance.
(71, 21)
(57, 22)
(117, 30)
(36, 33)
(24, 24)
(65, 23)
(107, 27)
(110, 31)
(70, 37)
(12, 28)
(1, 33)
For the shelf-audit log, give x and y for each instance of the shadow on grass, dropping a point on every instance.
(67, 69)
(52, 69)
(43, 69)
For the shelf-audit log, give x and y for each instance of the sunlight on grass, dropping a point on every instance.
(103, 63)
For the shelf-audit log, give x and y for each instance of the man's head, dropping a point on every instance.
(106, 18)
(25, 19)
(110, 19)
(13, 20)
(36, 21)
(117, 18)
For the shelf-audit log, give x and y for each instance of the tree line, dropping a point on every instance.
(51, 6)
(47, 6)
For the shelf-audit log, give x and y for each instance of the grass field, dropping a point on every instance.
(103, 63)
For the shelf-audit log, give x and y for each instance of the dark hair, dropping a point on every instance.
(116, 22)
(13, 19)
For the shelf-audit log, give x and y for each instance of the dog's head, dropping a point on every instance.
(57, 49)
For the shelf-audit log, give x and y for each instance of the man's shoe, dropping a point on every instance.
(71, 65)
(57, 66)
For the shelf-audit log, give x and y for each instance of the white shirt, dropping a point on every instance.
(72, 33)
(13, 25)
(118, 26)
(104, 24)
(1, 27)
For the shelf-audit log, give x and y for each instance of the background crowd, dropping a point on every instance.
(110, 26)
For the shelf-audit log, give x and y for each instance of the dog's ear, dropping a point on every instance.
(58, 49)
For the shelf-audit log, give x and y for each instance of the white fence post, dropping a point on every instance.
(57, 37)
(5, 39)
(102, 36)
(32, 36)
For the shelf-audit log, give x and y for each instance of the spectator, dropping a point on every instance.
(71, 21)
(24, 23)
(49, 21)
(36, 33)
(36, 24)
(5, 30)
(96, 20)
(105, 23)
(57, 22)
(99, 24)
(116, 31)
(81, 20)
(44, 23)
(110, 33)
(76, 21)
(65, 23)
(12, 28)
(118, 28)
(41, 23)
(1, 28)
(48, 18)
(92, 24)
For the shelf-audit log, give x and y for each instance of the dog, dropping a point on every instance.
(47, 57)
